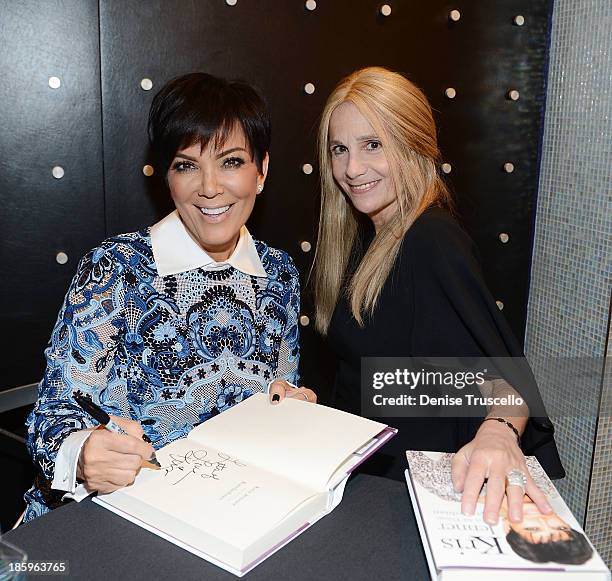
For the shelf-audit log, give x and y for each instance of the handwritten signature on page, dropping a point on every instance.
(199, 463)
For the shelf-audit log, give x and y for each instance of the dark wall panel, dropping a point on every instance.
(43, 128)
(481, 129)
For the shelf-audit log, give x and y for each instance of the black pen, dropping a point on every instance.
(98, 414)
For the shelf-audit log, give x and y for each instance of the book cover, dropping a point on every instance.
(466, 547)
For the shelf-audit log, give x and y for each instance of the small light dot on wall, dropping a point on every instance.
(305, 246)
(231, 2)
(61, 258)
(55, 82)
(304, 321)
(307, 169)
(454, 15)
(503, 238)
(513, 95)
(385, 10)
(148, 170)
(58, 172)
(311, 5)
(447, 168)
(450, 93)
(146, 84)
(309, 88)
(508, 167)
(519, 20)
(500, 305)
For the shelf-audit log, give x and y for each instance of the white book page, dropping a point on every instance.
(217, 493)
(303, 441)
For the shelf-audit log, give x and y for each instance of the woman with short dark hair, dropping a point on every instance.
(168, 326)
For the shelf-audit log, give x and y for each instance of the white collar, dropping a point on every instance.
(175, 250)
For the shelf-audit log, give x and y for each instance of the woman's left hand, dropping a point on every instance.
(280, 389)
(491, 455)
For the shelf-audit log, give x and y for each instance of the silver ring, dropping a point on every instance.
(517, 477)
(305, 395)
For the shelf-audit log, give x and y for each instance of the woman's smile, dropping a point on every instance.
(214, 215)
(363, 187)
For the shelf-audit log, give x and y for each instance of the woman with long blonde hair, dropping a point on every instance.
(395, 275)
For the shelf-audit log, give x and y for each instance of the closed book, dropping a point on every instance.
(465, 548)
(244, 483)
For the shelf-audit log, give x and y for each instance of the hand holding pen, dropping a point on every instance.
(111, 458)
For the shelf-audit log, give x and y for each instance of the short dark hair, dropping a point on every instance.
(198, 107)
(573, 551)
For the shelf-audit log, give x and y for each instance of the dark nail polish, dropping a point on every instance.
(276, 397)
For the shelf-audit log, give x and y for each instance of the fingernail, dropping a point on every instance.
(276, 397)
(515, 516)
(491, 518)
(468, 511)
(547, 507)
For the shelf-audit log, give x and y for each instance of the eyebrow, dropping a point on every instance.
(219, 156)
(185, 156)
(361, 138)
(228, 151)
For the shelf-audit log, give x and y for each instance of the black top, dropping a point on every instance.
(434, 303)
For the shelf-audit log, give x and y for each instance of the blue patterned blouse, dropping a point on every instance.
(167, 351)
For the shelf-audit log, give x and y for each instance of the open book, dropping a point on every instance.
(246, 482)
(465, 548)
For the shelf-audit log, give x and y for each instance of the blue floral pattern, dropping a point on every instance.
(168, 351)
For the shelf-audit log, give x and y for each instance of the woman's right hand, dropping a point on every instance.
(109, 461)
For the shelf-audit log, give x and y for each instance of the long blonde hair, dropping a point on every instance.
(402, 118)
